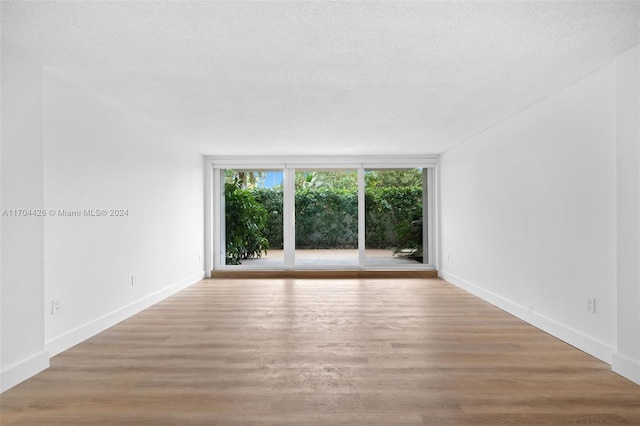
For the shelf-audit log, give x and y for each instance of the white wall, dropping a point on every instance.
(22, 270)
(627, 359)
(528, 214)
(64, 149)
(97, 157)
(542, 211)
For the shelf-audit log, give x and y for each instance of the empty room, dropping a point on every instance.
(320, 212)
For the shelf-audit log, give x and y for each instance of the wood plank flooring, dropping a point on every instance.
(323, 352)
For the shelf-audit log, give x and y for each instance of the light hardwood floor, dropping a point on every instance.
(343, 352)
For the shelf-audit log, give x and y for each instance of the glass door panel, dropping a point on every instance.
(326, 218)
(253, 218)
(395, 229)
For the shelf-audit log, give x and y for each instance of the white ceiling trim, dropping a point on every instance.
(299, 162)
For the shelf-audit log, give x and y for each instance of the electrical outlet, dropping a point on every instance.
(133, 280)
(55, 306)
(591, 305)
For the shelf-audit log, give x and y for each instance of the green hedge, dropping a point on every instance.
(390, 213)
(328, 217)
(271, 199)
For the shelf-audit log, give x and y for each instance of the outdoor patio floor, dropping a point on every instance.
(332, 257)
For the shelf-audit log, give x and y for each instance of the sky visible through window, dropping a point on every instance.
(272, 179)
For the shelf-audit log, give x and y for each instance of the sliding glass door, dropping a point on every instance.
(326, 218)
(323, 216)
(394, 216)
(253, 217)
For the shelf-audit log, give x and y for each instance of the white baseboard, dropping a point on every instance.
(573, 337)
(626, 367)
(71, 338)
(20, 372)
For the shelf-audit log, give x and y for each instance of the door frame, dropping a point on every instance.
(214, 203)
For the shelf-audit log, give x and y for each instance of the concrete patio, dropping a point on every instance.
(333, 257)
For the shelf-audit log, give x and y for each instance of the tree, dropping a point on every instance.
(246, 179)
(310, 180)
(245, 224)
(337, 179)
(393, 178)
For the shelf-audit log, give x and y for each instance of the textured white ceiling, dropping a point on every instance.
(323, 77)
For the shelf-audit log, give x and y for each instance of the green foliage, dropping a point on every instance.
(272, 200)
(393, 178)
(339, 179)
(310, 180)
(327, 217)
(245, 179)
(326, 212)
(409, 235)
(348, 179)
(245, 224)
(390, 213)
